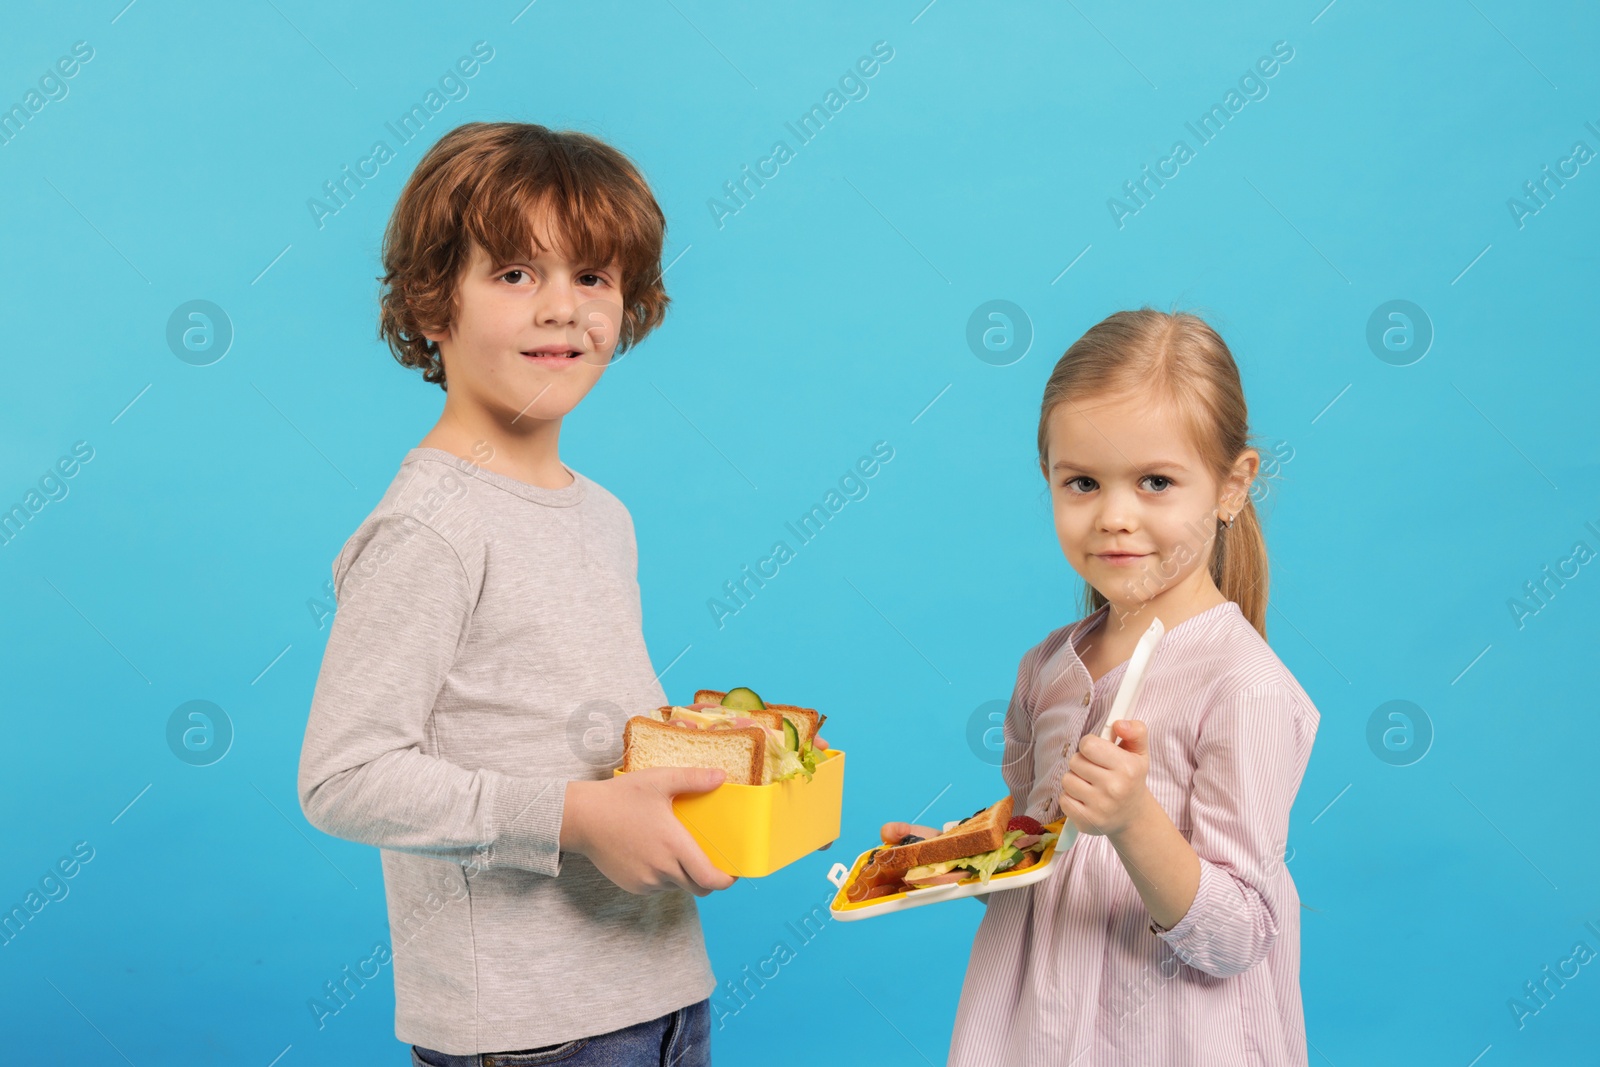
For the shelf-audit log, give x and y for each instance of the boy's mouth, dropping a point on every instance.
(550, 353)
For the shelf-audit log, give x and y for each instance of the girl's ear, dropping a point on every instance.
(1243, 476)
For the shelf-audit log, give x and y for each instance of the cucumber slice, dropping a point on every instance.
(791, 736)
(742, 699)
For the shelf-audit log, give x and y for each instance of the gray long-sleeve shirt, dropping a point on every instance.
(486, 650)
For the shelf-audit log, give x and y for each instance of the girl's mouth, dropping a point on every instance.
(1121, 559)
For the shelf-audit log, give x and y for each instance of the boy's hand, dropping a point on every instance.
(626, 827)
(1104, 789)
(818, 742)
(892, 832)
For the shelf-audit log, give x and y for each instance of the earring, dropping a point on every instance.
(1227, 524)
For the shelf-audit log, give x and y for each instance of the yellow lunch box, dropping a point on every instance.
(752, 830)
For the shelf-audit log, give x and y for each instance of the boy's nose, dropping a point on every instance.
(558, 306)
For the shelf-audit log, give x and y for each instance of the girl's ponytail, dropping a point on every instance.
(1239, 565)
(1187, 364)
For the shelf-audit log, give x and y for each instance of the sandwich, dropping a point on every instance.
(990, 841)
(752, 742)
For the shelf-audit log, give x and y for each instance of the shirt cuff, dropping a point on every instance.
(526, 815)
(1180, 935)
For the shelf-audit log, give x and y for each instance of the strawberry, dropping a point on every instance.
(1026, 823)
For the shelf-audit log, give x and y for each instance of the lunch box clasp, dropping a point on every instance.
(838, 874)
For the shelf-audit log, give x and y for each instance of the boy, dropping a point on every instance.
(488, 647)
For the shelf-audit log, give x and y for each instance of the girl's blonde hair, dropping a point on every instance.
(1177, 359)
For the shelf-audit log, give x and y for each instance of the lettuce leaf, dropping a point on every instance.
(788, 763)
(985, 863)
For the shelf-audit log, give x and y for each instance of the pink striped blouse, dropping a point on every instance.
(1072, 970)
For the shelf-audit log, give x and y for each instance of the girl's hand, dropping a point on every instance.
(1103, 790)
(892, 832)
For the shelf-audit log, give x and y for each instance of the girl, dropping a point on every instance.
(1169, 933)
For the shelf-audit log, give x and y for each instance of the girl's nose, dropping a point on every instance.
(1116, 513)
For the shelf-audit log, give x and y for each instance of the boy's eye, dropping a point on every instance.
(591, 279)
(514, 276)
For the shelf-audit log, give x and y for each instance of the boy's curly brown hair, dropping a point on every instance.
(484, 182)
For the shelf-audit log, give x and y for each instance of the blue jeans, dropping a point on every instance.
(678, 1039)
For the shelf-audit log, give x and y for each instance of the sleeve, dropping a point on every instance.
(1246, 776)
(404, 607)
(1016, 758)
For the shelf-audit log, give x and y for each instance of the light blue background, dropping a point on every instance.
(822, 318)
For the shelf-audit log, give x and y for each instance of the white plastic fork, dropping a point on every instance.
(1133, 678)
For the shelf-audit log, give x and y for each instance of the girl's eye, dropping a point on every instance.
(1071, 483)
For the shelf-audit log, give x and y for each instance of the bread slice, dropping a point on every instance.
(768, 718)
(983, 832)
(807, 721)
(740, 751)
